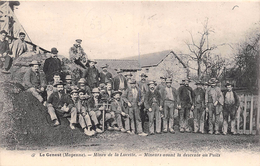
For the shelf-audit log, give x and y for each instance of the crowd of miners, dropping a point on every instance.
(100, 101)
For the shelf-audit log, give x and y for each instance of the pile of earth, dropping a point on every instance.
(25, 121)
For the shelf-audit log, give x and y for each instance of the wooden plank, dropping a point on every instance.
(251, 115)
(257, 117)
(244, 127)
(238, 120)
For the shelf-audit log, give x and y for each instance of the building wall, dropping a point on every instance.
(170, 67)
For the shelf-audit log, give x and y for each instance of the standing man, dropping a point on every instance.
(91, 74)
(128, 77)
(19, 46)
(4, 51)
(52, 65)
(162, 85)
(134, 98)
(142, 84)
(153, 103)
(199, 111)
(77, 54)
(119, 81)
(169, 95)
(185, 104)
(34, 81)
(231, 104)
(105, 76)
(60, 103)
(214, 101)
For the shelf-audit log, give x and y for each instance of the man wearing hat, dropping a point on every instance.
(214, 101)
(134, 98)
(231, 104)
(142, 84)
(77, 54)
(105, 75)
(4, 51)
(185, 104)
(199, 110)
(128, 77)
(153, 103)
(19, 46)
(162, 85)
(52, 65)
(59, 103)
(34, 80)
(82, 84)
(91, 74)
(169, 96)
(117, 106)
(68, 86)
(120, 82)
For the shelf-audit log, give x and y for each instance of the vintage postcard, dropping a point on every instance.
(129, 83)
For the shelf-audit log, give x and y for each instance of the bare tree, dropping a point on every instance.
(201, 48)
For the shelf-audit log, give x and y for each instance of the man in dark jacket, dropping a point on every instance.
(119, 81)
(231, 104)
(153, 103)
(91, 74)
(185, 104)
(199, 110)
(52, 65)
(105, 76)
(4, 53)
(77, 54)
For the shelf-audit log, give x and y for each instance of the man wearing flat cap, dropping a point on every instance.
(169, 96)
(59, 103)
(153, 103)
(185, 104)
(199, 110)
(120, 82)
(52, 65)
(214, 101)
(231, 104)
(34, 80)
(77, 54)
(4, 53)
(91, 74)
(105, 75)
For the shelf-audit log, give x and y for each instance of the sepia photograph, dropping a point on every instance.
(129, 83)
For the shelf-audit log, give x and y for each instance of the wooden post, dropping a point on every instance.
(251, 115)
(103, 117)
(244, 127)
(257, 117)
(238, 119)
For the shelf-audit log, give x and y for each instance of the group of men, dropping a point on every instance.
(99, 100)
(10, 52)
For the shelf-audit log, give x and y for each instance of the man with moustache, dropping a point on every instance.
(142, 84)
(82, 84)
(162, 85)
(105, 75)
(153, 103)
(169, 95)
(185, 104)
(91, 74)
(134, 98)
(60, 103)
(119, 81)
(34, 81)
(19, 46)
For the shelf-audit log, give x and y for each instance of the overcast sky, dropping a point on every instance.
(111, 29)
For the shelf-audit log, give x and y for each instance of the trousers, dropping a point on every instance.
(119, 119)
(168, 118)
(155, 113)
(35, 93)
(199, 118)
(184, 114)
(229, 110)
(7, 62)
(214, 111)
(135, 119)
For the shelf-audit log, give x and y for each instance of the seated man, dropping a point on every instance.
(51, 88)
(95, 104)
(59, 102)
(117, 106)
(80, 115)
(68, 86)
(34, 81)
(92, 114)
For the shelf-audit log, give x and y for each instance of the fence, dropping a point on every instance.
(248, 114)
